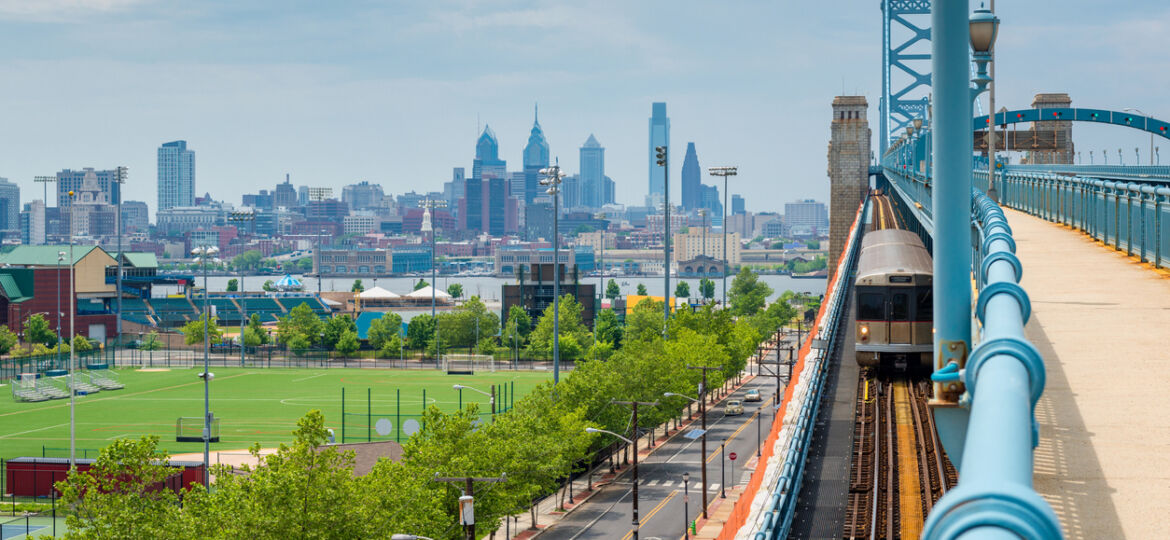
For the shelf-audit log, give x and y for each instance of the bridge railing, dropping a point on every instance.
(1137, 173)
(1128, 216)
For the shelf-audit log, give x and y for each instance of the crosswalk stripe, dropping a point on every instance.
(668, 483)
(652, 483)
(714, 487)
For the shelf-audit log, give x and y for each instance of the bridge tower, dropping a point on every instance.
(1059, 132)
(849, 149)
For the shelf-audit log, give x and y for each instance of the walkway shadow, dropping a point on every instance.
(1078, 492)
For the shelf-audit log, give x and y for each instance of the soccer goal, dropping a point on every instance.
(190, 429)
(468, 364)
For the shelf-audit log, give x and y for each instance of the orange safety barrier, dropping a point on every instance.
(739, 512)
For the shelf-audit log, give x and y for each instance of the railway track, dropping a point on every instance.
(899, 469)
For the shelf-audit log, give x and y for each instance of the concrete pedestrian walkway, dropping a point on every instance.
(1101, 320)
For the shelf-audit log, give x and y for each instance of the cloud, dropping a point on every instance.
(61, 10)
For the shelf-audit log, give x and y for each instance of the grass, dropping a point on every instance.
(254, 406)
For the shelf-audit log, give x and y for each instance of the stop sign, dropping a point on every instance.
(731, 456)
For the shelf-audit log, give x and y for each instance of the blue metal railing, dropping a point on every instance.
(775, 519)
(1136, 173)
(1127, 216)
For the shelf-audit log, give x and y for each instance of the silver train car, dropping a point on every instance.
(894, 302)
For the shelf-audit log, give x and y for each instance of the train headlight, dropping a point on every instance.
(864, 333)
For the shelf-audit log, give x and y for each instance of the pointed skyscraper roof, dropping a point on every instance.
(536, 115)
(591, 142)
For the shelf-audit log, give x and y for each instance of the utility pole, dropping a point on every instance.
(634, 405)
(467, 501)
(703, 413)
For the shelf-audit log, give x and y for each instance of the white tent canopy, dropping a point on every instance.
(376, 293)
(425, 292)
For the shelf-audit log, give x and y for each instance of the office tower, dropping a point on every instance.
(607, 189)
(286, 195)
(69, 180)
(32, 223)
(487, 162)
(302, 194)
(362, 195)
(570, 192)
(9, 205)
(495, 210)
(849, 148)
(806, 217)
(536, 157)
(135, 216)
(691, 176)
(176, 176)
(659, 136)
(737, 204)
(709, 199)
(592, 188)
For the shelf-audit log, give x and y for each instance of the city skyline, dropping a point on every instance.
(268, 90)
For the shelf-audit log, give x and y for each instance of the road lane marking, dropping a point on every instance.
(651, 513)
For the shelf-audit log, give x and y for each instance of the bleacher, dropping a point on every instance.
(226, 311)
(174, 312)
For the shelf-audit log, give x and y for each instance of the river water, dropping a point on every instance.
(489, 288)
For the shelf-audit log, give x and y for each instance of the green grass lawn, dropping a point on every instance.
(254, 405)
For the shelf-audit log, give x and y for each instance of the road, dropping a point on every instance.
(608, 514)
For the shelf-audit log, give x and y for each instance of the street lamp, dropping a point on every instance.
(204, 255)
(686, 506)
(120, 175)
(724, 172)
(491, 396)
(601, 273)
(428, 224)
(553, 176)
(241, 217)
(60, 259)
(72, 332)
(1139, 111)
(703, 438)
(634, 489)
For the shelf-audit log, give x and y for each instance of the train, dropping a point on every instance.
(894, 302)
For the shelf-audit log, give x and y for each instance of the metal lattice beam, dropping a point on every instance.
(899, 107)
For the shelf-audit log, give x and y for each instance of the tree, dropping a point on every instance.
(682, 290)
(233, 285)
(150, 342)
(608, 329)
(384, 329)
(612, 290)
(256, 329)
(335, 328)
(248, 260)
(81, 344)
(540, 342)
(517, 328)
(707, 288)
(36, 330)
(455, 290)
(268, 286)
(468, 325)
(357, 286)
(644, 323)
(7, 339)
(392, 346)
(421, 284)
(300, 325)
(813, 244)
(193, 331)
(420, 332)
(748, 294)
(641, 290)
(348, 343)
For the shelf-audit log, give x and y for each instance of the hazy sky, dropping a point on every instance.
(393, 92)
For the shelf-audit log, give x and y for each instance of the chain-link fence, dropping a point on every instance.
(366, 418)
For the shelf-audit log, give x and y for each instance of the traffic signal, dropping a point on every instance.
(660, 153)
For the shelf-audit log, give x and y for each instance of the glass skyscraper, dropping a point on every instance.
(592, 173)
(535, 159)
(659, 136)
(176, 175)
(691, 178)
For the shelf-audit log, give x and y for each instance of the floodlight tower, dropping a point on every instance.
(428, 224)
(553, 176)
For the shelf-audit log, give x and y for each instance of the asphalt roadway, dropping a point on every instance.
(608, 514)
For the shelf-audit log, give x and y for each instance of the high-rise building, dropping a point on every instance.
(592, 187)
(69, 180)
(487, 162)
(32, 223)
(737, 205)
(362, 195)
(806, 217)
(536, 157)
(135, 216)
(709, 199)
(849, 148)
(570, 192)
(176, 176)
(691, 178)
(286, 195)
(9, 205)
(659, 136)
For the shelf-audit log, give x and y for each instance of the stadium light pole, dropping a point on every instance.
(120, 174)
(724, 172)
(662, 158)
(60, 259)
(428, 224)
(72, 356)
(205, 254)
(242, 217)
(601, 272)
(553, 176)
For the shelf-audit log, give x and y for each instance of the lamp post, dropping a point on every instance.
(662, 158)
(204, 255)
(60, 259)
(634, 489)
(428, 225)
(1139, 111)
(724, 172)
(601, 273)
(491, 396)
(241, 217)
(553, 176)
(722, 469)
(686, 506)
(72, 356)
(702, 401)
(120, 175)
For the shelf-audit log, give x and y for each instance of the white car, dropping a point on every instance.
(734, 408)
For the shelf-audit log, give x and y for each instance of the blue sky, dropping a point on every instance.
(393, 92)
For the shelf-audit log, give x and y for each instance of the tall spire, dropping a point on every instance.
(536, 114)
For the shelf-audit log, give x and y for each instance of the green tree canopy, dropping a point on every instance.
(517, 328)
(644, 323)
(459, 328)
(7, 339)
(348, 343)
(608, 329)
(707, 289)
(301, 328)
(420, 333)
(268, 285)
(336, 327)
(641, 290)
(357, 286)
(233, 285)
(36, 330)
(193, 331)
(540, 342)
(682, 290)
(248, 260)
(748, 294)
(384, 329)
(455, 290)
(421, 284)
(612, 290)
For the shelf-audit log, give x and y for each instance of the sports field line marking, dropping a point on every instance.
(309, 377)
(122, 436)
(63, 405)
(32, 431)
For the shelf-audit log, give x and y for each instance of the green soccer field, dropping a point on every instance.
(253, 405)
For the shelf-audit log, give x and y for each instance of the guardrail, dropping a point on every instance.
(1128, 216)
(1139, 173)
(767, 507)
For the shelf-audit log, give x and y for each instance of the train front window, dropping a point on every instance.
(900, 307)
(871, 307)
(925, 307)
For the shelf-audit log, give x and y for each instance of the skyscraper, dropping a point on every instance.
(9, 205)
(659, 136)
(737, 204)
(286, 195)
(176, 175)
(69, 180)
(535, 159)
(487, 162)
(592, 186)
(691, 176)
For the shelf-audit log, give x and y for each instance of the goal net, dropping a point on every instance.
(190, 429)
(468, 364)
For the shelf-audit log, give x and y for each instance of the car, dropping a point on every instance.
(752, 395)
(734, 408)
